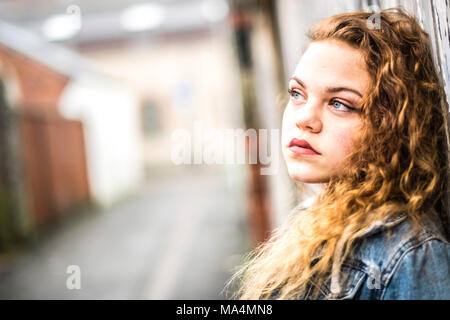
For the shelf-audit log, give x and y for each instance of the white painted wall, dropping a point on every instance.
(110, 116)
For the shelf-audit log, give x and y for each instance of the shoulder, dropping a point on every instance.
(392, 260)
(421, 271)
(406, 264)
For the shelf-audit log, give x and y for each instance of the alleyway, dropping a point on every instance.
(178, 238)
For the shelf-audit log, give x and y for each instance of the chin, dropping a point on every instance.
(307, 177)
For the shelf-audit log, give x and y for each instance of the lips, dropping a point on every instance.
(302, 147)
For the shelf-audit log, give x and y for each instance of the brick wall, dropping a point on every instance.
(40, 86)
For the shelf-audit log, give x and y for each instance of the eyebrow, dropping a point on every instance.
(328, 89)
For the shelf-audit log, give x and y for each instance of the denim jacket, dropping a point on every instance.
(398, 264)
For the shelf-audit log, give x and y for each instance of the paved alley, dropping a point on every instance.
(177, 238)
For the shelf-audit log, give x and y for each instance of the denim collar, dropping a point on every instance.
(384, 224)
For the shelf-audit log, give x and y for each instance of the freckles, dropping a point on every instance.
(343, 140)
(344, 134)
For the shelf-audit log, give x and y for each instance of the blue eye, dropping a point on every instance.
(295, 94)
(341, 107)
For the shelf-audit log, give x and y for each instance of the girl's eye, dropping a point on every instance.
(297, 96)
(339, 106)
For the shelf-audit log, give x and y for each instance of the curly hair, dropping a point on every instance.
(399, 164)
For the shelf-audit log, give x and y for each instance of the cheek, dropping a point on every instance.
(343, 140)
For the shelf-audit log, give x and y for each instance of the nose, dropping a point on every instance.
(309, 117)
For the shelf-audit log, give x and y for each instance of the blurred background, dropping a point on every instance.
(91, 93)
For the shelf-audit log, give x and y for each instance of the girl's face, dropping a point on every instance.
(323, 113)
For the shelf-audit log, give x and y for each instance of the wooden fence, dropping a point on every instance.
(54, 161)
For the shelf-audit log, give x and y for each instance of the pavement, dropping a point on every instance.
(178, 237)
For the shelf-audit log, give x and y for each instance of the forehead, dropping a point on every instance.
(333, 63)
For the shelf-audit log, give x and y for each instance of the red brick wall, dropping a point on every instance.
(40, 86)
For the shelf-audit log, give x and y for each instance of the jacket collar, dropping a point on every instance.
(384, 224)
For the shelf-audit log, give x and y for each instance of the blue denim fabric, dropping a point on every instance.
(393, 262)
